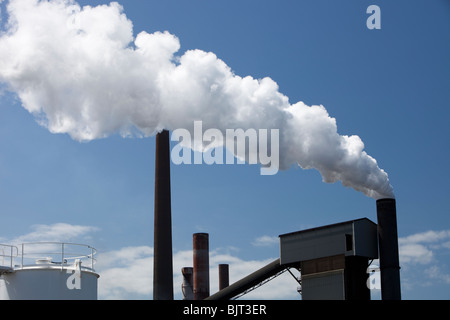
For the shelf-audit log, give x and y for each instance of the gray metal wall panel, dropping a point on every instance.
(314, 244)
(329, 241)
(324, 286)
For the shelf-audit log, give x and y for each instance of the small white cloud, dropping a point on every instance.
(426, 237)
(58, 232)
(419, 247)
(435, 272)
(126, 273)
(415, 253)
(424, 248)
(265, 241)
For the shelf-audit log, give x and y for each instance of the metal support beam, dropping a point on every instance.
(248, 282)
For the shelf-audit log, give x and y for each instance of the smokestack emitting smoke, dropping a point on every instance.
(80, 71)
(388, 248)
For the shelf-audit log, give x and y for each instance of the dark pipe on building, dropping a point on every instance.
(224, 278)
(162, 258)
(201, 266)
(388, 249)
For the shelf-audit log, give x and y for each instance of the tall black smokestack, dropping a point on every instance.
(388, 247)
(162, 256)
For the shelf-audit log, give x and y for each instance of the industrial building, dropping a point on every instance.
(333, 259)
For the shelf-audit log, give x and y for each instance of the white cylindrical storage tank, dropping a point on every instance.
(70, 278)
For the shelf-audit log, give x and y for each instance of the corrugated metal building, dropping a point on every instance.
(333, 259)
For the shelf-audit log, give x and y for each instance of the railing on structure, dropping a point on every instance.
(9, 252)
(56, 254)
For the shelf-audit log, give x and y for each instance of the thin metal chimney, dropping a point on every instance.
(388, 249)
(224, 278)
(187, 287)
(201, 266)
(162, 257)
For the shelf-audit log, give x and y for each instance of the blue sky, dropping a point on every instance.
(388, 86)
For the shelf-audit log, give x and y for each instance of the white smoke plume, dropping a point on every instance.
(80, 71)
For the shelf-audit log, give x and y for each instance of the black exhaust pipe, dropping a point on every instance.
(388, 249)
(201, 265)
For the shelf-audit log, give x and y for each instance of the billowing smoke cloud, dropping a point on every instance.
(80, 71)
